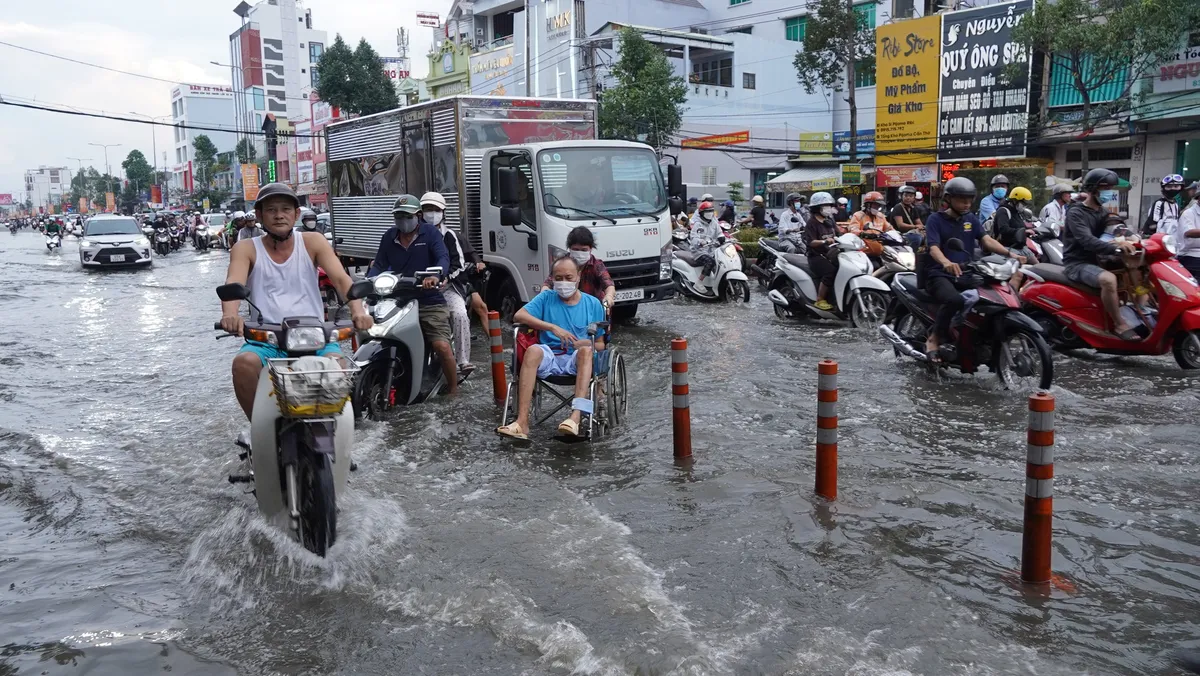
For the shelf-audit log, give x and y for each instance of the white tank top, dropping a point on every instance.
(287, 289)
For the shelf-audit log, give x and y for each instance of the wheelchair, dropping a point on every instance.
(607, 390)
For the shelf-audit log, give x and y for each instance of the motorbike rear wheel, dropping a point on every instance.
(1022, 359)
(1187, 350)
(868, 309)
(318, 503)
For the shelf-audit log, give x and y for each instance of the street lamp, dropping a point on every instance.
(107, 167)
(153, 138)
(81, 160)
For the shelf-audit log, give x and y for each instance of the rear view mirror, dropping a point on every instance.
(955, 244)
(675, 182)
(360, 289)
(234, 291)
(508, 186)
(676, 205)
(510, 216)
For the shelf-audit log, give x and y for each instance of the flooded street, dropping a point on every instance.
(127, 551)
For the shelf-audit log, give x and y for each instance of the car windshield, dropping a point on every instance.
(214, 219)
(579, 183)
(113, 226)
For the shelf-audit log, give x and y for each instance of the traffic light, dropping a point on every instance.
(270, 171)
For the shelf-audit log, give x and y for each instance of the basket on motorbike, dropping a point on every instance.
(309, 393)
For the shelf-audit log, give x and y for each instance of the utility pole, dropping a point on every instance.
(153, 141)
(107, 167)
(83, 180)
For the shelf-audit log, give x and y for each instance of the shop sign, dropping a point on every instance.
(864, 143)
(902, 175)
(733, 138)
(1180, 73)
(851, 174)
(816, 145)
(491, 72)
(830, 183)
(430, 19)
(907, 80)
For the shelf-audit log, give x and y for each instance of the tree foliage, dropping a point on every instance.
(736, 191)
(1099, 40)
(137, 169)
(354, 81)
(648, 97)
(246, 152)
(206, 158)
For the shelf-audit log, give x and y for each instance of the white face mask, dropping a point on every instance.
(564, 289)
(829, 212)
(581, 257)
(706, 215)
(433, 217)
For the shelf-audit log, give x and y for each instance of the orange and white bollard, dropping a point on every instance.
(681, 412)
(827, 429)
(1039, 490)
(499, 383)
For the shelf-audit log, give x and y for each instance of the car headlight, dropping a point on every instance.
(305, 339)
(385, 284)
(141, 241)
(1168, 243)
(381, 328)
(85, 243)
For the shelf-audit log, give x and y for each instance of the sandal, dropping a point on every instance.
(513, 431)
(568, 428)
(1128, 335)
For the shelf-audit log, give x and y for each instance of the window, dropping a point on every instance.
(866, 16)
(708, 175)
(313, 77)
(747, 80)
(864, 74)
(260, 99)
(1193, 39)
(524, 189)
(717, 72)
(795, 28)
(903, 9)
(737, 2)
(315, 49)
(1102, 154)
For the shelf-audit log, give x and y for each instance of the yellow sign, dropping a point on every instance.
(110, 202)
(816, 145)
(207, 206)
(831, 183)
(907, 77)
(851, 174)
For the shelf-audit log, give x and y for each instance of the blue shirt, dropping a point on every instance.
(427, 250)
(988, 206)
(548, 307)
(940, 228)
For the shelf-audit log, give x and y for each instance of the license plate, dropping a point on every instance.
(116, 258)
(630, 294)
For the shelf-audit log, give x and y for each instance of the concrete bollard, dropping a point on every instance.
(827, 429)
(499, 383)
(681, 413)
(1039, 490)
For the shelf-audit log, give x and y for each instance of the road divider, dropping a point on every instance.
(499, 383)
(827, 429)
(681, 413)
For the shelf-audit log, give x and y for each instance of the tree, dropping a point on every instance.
(838, 40)
(355, 81)
(334, 69)
(648, 97)
(1099, 41)
(129, 198)
(246, 152)
(206, 157)
(137, 169)
(735, 189)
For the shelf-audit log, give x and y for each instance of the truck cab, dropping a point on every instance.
(533, 195)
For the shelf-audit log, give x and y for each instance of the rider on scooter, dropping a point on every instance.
(944, 281)
(705, 233)
(1082, 246)
(791, 224)
(1011, 217)
(821, 231)
(308, 220)
(907, 218)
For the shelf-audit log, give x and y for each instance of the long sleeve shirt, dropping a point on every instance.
(1189, 247)
(1053, 212)
(1081, 236)
(426, 251)
(988, 205)
(704, 235)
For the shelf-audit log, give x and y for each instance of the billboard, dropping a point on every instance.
(982, 116)
(252, 63)
(817, 145)
(1180, 73)
(6, 199)
(83, 205)
(396, 67)
(492, 72)
(864, 142)
(110, 202)
(430, 19)
(886, 177)
(732, 138)
(907, 80)
(250, 182)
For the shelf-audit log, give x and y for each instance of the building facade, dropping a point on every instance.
(46, 187)
(198, 105)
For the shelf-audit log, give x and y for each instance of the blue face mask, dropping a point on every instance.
(999, 193)
(1107, 196)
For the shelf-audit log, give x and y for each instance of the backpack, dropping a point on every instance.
(989, 226)
(1166, 224)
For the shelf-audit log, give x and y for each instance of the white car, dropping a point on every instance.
(110, 240)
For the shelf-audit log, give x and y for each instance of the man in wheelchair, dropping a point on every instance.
(562, 318)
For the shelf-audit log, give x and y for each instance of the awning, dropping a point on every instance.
(806, 179)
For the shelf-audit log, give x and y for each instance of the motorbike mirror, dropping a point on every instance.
(955, 244)
(234, 291)
(360, 289)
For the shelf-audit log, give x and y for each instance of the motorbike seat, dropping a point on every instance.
(688, 257)
(773, 243)
(798, 260)
(909, 282)
(1057, 274)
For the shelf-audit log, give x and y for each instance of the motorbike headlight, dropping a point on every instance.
(385, 284)
(140, 241)
(85, 243)
(390, 317)
(1168, 243)
(729, 250)
(305, 339)
(1172, 290)
(908, 259)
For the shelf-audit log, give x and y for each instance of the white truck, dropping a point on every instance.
(558, 174)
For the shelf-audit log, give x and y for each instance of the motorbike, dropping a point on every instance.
(53, 241)
(991, 330)
(897, 257)
(177, 234)
(396, 369)
(162, 241)
(764, 266)
(857, 294)
(201, 239)
(725, 282)
(1074, 317)
(1047, 237)
(301, 430)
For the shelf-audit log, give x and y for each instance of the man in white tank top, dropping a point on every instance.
(280, 269)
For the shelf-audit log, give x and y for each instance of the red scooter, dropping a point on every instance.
(1074, 317)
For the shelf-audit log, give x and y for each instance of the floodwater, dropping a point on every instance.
(126, 551)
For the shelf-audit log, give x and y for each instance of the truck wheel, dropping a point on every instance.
(507, 300)
(623, 313)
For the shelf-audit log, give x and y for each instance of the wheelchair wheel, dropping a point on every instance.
(615, 394)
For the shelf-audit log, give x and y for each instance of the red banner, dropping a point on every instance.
(6, 200)
(156, 194)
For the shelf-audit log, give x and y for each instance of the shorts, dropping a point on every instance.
(435, 323)
(266, 352)
(1084, 273)
(555, 364)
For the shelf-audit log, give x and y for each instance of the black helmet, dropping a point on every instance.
(959, 186)
(907, 190)
(999, 178)
(277, 190)
(1098, 177)
(791, 197)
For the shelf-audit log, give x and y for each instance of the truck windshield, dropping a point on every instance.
(579, 183)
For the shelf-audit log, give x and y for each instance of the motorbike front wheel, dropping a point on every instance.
(371, 393)
(1187, 350)
(868, 309)
(737, 291)
(318, 503)
(1024, 361)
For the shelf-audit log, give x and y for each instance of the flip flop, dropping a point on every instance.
(568, 428)
(1129, 335)
(513, 431)
(933, 356)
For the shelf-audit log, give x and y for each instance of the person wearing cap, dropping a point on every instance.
(457, 287)
(1055, 210)
(1165, 210)
(280, 270)
(410, 247)
(921, 207)
(907, 219)
(249, 228)
(727, 213)
(988, 205)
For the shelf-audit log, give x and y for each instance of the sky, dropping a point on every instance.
(170, 40)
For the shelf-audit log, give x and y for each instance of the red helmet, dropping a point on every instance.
(705, 205)
(873, 196)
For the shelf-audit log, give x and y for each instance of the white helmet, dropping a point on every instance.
(706, 197)
(308, 218)
(820, 199)
(433, 199)
(238, 215)
(919, 195)
(843, 201)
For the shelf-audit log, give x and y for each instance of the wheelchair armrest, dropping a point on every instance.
(594, 327)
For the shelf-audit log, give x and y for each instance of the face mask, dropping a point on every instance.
(406, 223)
(310, 225)
(581, 257)
(1107, 196)
(829, 212)
(706, 215)
(433, 217)
(999, 193)
(1171, 192)
(564, 289)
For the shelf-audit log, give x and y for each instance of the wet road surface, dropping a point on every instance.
(126, 551)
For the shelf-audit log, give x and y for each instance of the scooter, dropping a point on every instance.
(990, 331)
(162, 241)
(764, 266)
(858, 295)
(53, 241)
(395, 367)
(301, 430)
(177, 235)
(201, 239)
(1048, 235)
(1074, 317)
(725, 282)
(897, 257)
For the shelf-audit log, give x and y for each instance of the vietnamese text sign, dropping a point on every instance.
(981, 115)
(110, 202)
(816, 145)
(831, 183)
(83, 205)
(864, 142)
(1180, 73)
(851, 174)
(717, 140)
(249, 182)
(6, 200)
(906, 68)
(430, 19)
(910, 173)
(492, 72)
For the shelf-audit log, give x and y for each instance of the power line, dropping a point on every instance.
(160, 124)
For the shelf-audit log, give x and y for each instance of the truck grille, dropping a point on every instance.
(634, 273)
